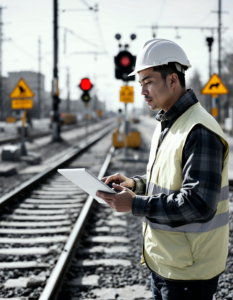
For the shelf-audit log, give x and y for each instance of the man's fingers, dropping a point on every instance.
(104, 178)
(105, 196)
(118, 187)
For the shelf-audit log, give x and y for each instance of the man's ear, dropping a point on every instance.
(174, 79)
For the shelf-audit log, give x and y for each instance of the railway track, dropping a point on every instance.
(36, 135)
(38, 219)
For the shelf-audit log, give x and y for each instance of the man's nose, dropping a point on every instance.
(144, 90)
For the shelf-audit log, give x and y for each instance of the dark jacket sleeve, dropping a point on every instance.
(140, 184)
(198, 198)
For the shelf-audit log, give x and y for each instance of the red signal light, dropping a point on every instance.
(85, 84)
(125, 61)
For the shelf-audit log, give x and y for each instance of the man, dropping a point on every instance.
(184, 195)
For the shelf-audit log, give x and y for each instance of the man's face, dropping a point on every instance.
(155, 89)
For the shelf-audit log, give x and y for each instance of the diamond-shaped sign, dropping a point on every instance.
(214, 87)
(21, 90)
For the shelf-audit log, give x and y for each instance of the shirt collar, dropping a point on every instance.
(187, 100)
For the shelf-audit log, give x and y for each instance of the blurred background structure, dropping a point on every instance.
(86, 47)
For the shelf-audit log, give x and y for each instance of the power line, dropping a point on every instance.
(77, 36)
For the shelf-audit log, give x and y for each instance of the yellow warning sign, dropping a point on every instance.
(99, 113)
(214, 87)
(21, 90)
(21, 104)
(127, 94)
(10, 119)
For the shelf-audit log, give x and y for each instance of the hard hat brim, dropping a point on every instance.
(151, 66)
(140, 69)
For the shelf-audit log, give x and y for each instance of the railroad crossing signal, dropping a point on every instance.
(127, 94)
(85, 85)
(85, 97)
(214, 87)
(124, 64)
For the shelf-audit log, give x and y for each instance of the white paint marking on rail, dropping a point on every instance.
(107, 239)
(44, 201)
(24, 282)
(39, 240)
(40, 218)
(20, 298)
(50, 206)
(23, 265)
(101, 249)
(88, 280)
(65, 193)
(104, 262)
(44, 211)
(28, 251)
(34, 224)
(35, 231)
(116, 222)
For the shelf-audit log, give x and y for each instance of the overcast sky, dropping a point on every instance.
(27, 20)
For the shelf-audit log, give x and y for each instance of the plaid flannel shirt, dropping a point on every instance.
(202, 163)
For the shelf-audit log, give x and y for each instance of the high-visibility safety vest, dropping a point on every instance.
(195, 251)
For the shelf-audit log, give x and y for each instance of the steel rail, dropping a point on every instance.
(52, 287)
(29, 184)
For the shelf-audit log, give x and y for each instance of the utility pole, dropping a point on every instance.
(210, 41)
(1, 94)
(39, 77)
(219, 52)
(219, 36)
(68, 90)
(55, 90)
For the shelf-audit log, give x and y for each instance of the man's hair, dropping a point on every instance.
(166, 70)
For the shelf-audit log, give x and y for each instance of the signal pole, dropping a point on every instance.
(210, 41)
(39, 74)
(1, 40)
(68, 89)
(219, 51)
(55, 91)
(219, 36)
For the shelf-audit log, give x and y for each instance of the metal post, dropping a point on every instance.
(219, 51)
(39, 74)
(22, 146)
(68, 89)
(86, 114)
(126, 131)
(1, 94)
(55, 124)
(210, 41)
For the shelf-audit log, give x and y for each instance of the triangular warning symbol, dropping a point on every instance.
(21, 90)
(214, 86)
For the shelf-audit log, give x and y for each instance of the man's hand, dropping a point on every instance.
(121, 202)
(120, 180)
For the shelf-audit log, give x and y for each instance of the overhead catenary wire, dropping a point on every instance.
(96, 20)
(79, 37)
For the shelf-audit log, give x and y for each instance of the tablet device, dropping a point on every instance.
(87, 182)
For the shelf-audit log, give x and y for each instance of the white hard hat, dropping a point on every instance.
(158, 52)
